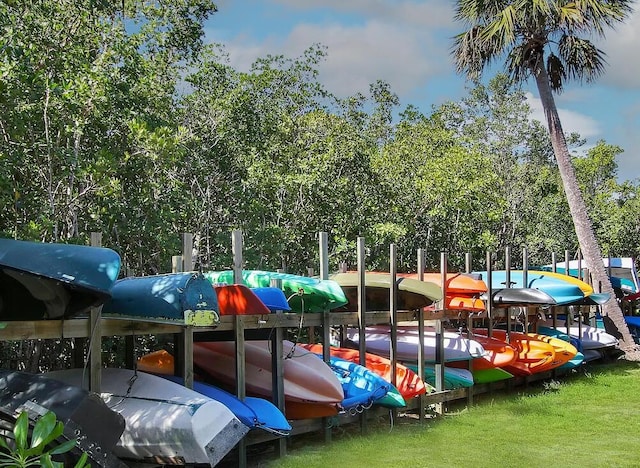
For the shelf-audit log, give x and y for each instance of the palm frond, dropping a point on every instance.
(555, 70)
(582, 60)
(518, 65)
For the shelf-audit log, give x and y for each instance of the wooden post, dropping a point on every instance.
(467, 269)
(507, 269)
(362, 307)
(323, 245)
(95, 341)
(421, 359)
(439, 366)
(312, 329)
(489, 282)
(393, 316)
(177, 264)
(238, 328)
(277, 375)
(187, 251)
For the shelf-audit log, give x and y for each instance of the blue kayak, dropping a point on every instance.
(362, 387)
(53, 281)
(273, 298)
(255, 413)
(185, 298)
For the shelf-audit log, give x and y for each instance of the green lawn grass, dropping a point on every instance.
(587, 419)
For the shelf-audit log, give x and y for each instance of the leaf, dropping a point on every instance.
(21, 430)
(64, 447)
(43, 429)
(82, 462)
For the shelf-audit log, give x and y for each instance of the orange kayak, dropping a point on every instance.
(564, 350)
(297, 410)
(534, 355)
(238, 299)
(407, 381)
(457, 284)
(469, 304)
(499, 354)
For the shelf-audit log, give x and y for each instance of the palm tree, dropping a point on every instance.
(545, 39)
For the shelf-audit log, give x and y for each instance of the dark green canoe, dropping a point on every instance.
(53, 281)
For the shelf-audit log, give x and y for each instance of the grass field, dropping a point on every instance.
(587, 419)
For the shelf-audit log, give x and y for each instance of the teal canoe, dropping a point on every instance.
(183, 298)
(453, 377)
(53, 281)
(304, 294)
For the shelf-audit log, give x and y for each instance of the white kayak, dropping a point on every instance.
(590, 337)
(457, 347)
(164, 420)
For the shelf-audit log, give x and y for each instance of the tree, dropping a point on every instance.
(545, 39)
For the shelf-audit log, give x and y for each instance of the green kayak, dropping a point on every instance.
(304, 294)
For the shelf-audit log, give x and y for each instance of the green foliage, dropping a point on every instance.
(35, 448)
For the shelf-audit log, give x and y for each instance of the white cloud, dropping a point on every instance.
(623, 60)
(358, 56)
(388, 48)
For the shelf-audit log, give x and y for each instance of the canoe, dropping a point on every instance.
(53, 281)
(164, 420)
(453, 377)
(307, 379)
(412, 294)
(85, 416)
(304, 294)
(183, 298)
(362, 387)
(456, 284)
(534, 355)
(377, 340)
(407, 382)
(255, 413)
(561, 291)
(237, 299)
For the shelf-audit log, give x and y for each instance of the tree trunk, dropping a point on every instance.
(613, 318)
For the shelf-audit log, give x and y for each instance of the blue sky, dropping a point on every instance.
(407, 44)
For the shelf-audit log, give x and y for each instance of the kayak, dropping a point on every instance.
(412, 294)
(304, 294)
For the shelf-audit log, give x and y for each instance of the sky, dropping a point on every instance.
(407, 44)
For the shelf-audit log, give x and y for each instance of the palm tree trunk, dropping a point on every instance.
(611, 311)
